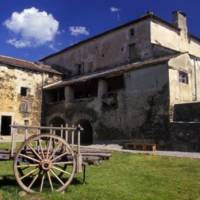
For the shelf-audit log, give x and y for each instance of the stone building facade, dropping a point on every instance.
(21, 84)
(124, 84)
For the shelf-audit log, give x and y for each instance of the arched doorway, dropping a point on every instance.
(87, 134)
(57, 122)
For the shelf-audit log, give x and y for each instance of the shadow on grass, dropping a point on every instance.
(10, 180)
(7, 181)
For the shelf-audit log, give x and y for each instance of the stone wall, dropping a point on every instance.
(185, 137)
(185, 128)
(11, 100)
(144, 107)
(139, 110)
(108, 50)
(174, 40)
(187, 112)
(182, 93)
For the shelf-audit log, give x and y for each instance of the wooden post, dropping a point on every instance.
(26, 133)
(51, 128)
(61, 131)
(79, 159)
(66, 133)
(38, 145)
(13, 144)
(72, 136)
(79, 139)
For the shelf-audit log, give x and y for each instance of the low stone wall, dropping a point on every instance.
(187, 112)
(185, 136)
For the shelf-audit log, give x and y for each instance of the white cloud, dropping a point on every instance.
(32, 28)
(18, 43)
(78, 30)
(52, 47)
(114, 9)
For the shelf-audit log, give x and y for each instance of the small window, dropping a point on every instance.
(80, 68)
(56, 95)
(183, 77)
(90, 66)
(132, 32)
(133, 52)
(87, 89)
(24, 91)
(50, 75)
(115, 83)
(25, 107)
(26, 122)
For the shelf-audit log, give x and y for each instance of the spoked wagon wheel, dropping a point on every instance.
(44, 162)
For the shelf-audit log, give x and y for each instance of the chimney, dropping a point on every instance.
(150, 12)
(180, 21)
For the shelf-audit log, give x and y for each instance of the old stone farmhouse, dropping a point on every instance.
(21, 84)
(125, 83)
(140, 80)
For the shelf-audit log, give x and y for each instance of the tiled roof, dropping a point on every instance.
(112, 71)
(23, 64)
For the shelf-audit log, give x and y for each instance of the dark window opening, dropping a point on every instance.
(183, 77)
(133, 52)
(5, 125)
(90, 66)
(86, 90)
(115, 83)
(50, 75)
(26, 122)
(56, 95)
(132, 32)
(24, 91)
(58, 122)
(80, 68)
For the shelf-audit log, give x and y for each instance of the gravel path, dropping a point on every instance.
(159, 153)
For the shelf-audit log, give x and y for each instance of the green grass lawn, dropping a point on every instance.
(124, 177)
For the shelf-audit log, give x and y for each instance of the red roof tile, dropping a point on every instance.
(18, 63)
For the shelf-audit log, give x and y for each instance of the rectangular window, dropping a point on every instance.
(183, 77)
(50, 75)
(90, 66)
(5, 125)
(24, 91)
(80, 68)
(132, 32)
(115, 83)
(25, 107)
(133, 52)
(26, 122)
(56, 95)
(86, 90)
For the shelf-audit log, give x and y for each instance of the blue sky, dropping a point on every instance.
(32, 29)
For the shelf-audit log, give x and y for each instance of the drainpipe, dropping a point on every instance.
(195, 80)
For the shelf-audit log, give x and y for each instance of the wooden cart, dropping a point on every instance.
(48, 157)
